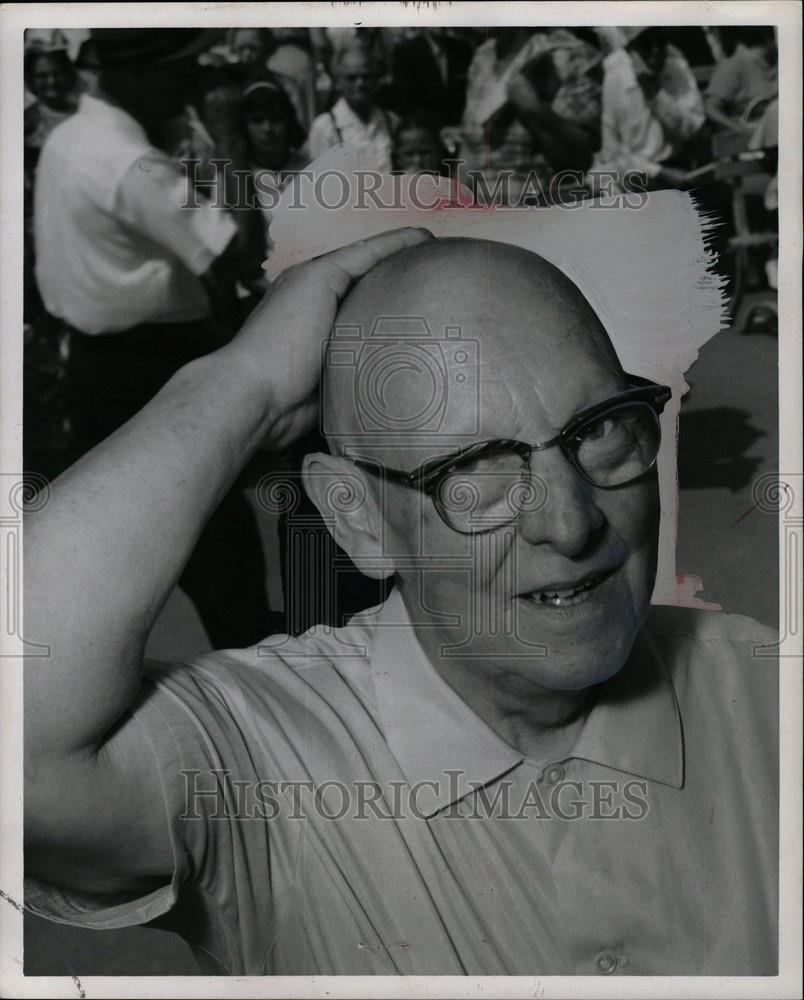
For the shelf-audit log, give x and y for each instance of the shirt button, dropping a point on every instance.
(554, 774)
(606, 962)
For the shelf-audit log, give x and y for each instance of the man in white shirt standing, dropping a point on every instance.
(133, 264)
(354, 118)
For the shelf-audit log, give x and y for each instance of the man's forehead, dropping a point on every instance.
(435, 350)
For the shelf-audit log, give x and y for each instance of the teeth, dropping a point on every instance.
(556, 598)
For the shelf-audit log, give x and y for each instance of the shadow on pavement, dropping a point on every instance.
(711, 449)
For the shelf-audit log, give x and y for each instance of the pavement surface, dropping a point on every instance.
(728, 440)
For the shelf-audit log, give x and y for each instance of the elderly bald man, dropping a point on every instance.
(513, 766)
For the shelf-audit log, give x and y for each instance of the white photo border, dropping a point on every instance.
(786, 15)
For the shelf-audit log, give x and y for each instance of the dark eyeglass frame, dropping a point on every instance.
(427, 476)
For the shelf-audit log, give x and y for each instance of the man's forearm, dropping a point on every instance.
(715, 113)
(566, 144)
(120, 525)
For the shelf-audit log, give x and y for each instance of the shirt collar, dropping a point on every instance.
(634, 726)
(344, 116)
(433, 734)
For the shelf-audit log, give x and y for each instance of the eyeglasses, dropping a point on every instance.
(489, 484)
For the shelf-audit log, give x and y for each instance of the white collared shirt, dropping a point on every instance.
(650, 850)
(342, 125)
(117, 244)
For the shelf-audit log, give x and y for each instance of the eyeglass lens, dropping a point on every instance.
(613, 449)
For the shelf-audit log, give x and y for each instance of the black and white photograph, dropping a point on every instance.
(401, 500)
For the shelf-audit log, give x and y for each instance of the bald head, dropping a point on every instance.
(457, 340)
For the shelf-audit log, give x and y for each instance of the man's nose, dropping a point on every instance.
(568, 514)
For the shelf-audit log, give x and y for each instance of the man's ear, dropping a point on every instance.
(350, 511)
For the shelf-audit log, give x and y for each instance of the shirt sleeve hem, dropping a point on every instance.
(60, 907)
(92, 911)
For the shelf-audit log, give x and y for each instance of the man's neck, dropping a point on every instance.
(363, 113)
(541, 724)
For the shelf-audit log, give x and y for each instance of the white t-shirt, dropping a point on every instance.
(118, 242)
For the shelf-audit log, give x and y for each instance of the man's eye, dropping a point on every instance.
(600, 429)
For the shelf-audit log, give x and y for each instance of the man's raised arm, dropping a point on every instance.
(102, 557)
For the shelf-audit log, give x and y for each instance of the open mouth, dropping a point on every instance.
(567, 596)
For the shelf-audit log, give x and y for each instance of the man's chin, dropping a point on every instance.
(573, 660)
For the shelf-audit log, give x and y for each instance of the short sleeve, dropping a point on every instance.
(193, 727)
(156, 201)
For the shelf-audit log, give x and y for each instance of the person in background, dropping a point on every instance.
(557, 98)
(418, 148)
(742, 84)
(766, 137)
(493, 138)
(430, 71)
(140, 280)
(292, 60)
(88, 65)
(340, 38)
(274, 139)
(273, 131)
(355, 118)
(651, 109)
(53, 82)
(54, 88)
(250, 47)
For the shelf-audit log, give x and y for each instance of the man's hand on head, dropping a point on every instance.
(281, 344)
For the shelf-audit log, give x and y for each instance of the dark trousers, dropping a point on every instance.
(110, 378)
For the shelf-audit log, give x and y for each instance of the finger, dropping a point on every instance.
(339, 270)
(358, 258)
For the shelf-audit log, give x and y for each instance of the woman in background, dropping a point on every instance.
(274, 141)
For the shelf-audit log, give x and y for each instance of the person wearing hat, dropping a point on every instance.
(52, 84)
(652, 108)
(135, 270)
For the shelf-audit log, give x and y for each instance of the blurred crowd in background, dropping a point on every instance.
(692, 108)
